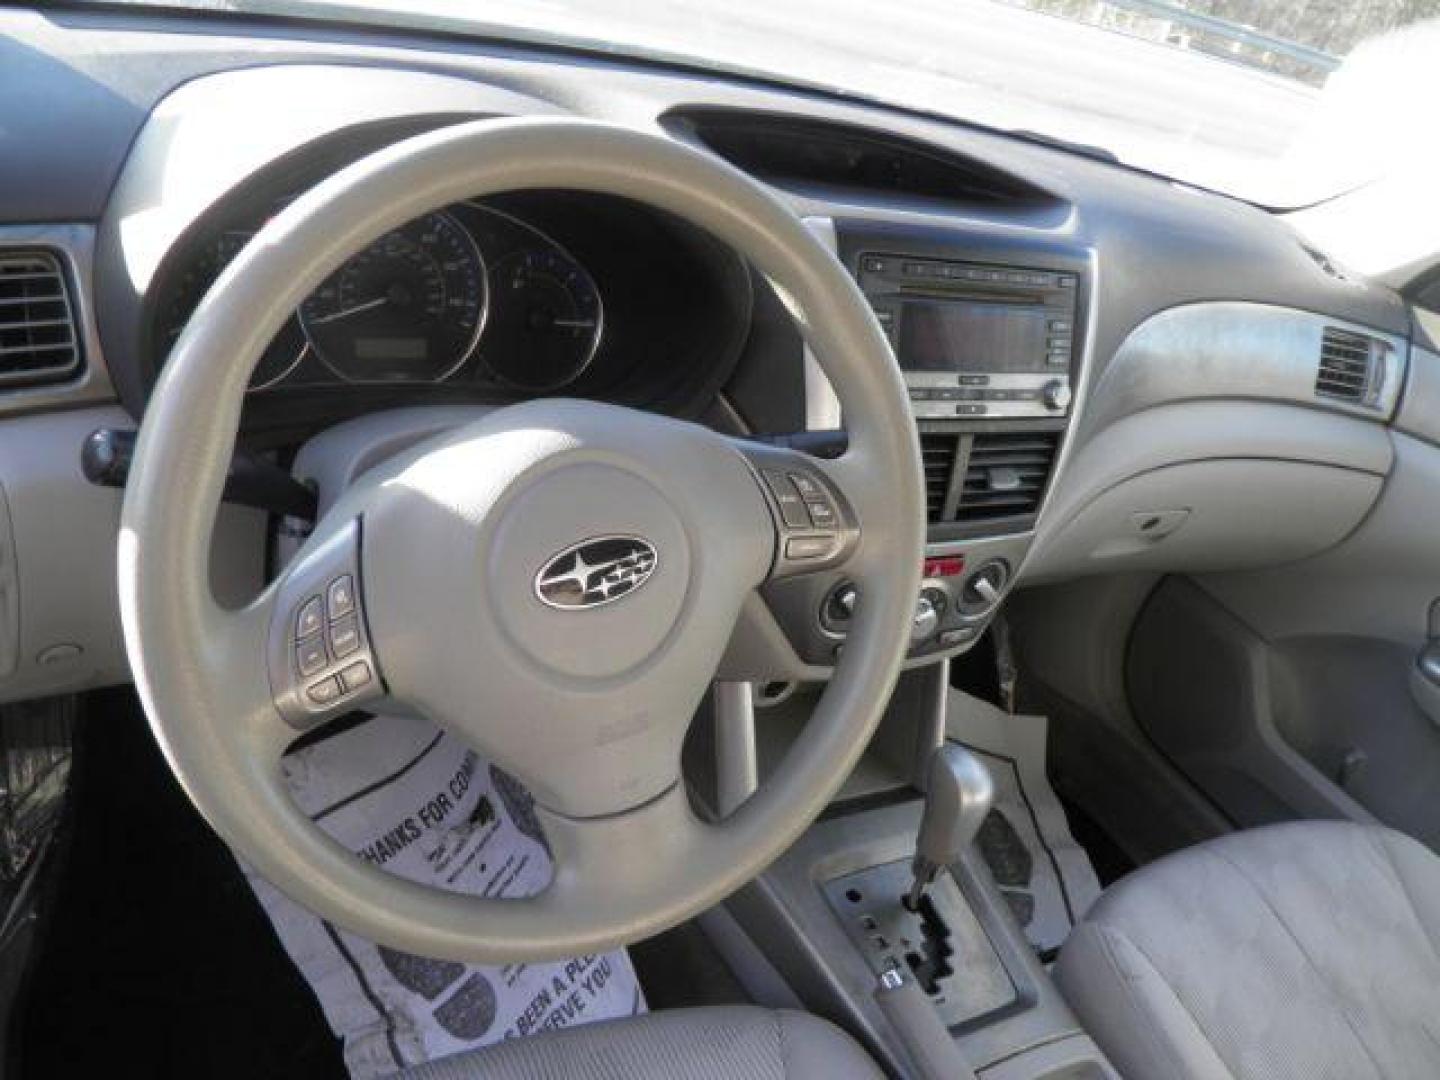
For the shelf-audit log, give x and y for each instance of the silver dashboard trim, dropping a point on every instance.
(75, 246)
(822, 406)
(1235, 349)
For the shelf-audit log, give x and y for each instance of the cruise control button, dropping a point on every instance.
(355, 676)
(324, 692)
(311, 618)
(344, 636)
(822, 514)
(808, 547)
(792, 507)
(310, 655)
(340, 597)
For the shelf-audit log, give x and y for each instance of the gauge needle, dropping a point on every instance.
(583, 323)
(366, 306)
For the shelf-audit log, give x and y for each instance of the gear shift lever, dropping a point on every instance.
(958, 795)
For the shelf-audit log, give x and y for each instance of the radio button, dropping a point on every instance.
(874, 264)
(971, 410)
(1058, 359)
(974, 380)
(1060, 325)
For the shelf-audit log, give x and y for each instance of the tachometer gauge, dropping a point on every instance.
(409, 308)
(546, 322)
(282, 354)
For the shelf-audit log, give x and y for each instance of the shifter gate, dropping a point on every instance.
(941, 944)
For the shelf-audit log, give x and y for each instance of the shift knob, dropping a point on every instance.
(958, 795)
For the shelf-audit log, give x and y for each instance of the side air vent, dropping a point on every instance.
(1349, 366)
(937, 454)
(1005, 474)
(824, 157)
(38, 340)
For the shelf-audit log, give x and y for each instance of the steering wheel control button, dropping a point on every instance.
(344, 636)
(792, 505)
(340, 596)
(356, 676)
(801, 548)
(320, 659)
(325, 692)
(311, 619)
(310, 656)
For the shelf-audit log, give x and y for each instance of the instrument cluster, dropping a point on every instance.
(469, 293)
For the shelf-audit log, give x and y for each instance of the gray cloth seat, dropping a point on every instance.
(723, 1043)
(1307, 950)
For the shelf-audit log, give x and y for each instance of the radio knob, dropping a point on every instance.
(1056, 395)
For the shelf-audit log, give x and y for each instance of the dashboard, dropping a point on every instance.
(1108, 371)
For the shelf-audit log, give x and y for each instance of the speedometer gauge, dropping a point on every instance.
(547, 320)
(409, 308)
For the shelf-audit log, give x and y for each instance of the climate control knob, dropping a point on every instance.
(984, 588)
(1056, 395)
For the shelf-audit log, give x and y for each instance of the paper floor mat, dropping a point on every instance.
(404, 796)
(1044, 875)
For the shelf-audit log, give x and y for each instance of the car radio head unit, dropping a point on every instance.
(976, 340)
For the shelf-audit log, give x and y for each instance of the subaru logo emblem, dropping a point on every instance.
(597, 571)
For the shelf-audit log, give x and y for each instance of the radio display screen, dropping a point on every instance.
(957, 336)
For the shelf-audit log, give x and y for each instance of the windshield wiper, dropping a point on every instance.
(1099, 153)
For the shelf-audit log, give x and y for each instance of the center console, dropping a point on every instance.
(988, 328)
(987, 331)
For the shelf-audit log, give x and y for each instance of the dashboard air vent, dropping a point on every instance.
(937, 454)
(1006, 475)
(38, 340)
(1348, 366)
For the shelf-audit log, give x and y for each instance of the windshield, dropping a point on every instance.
(1282, 102)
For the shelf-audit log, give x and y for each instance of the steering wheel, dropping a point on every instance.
(555, 583)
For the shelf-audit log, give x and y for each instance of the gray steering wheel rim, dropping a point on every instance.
(191, 659)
